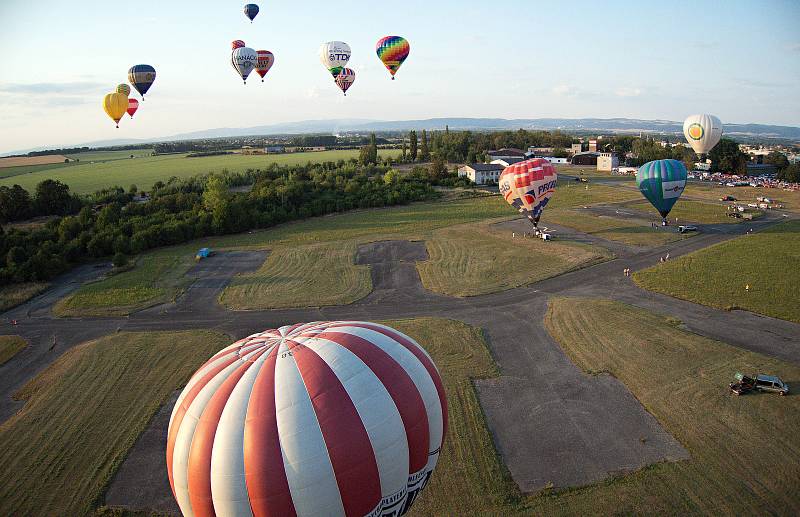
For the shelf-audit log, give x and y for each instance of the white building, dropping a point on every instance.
(481, 173)
(607, 161)
(554, 160)
(505, 162)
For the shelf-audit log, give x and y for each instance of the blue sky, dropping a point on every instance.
(512, 59)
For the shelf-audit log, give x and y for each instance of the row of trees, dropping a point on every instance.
(179, 211)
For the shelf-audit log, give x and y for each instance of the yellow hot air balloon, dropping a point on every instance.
(124, 89)
(116, 105)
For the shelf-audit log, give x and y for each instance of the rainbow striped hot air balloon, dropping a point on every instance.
(392, 51)
(323, 418)
(662, 183)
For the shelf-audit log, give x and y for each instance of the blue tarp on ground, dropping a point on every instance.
(204, 252)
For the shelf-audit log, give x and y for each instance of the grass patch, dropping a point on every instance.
(745, 453)
(15, 294)
(717, 276)
(612, 228)
(312, 274)
(470, 260)
(156, 278)
(85, 411)
(112, 168)
(571, 193)
(9, 346)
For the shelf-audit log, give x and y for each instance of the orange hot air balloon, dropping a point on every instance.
(133, 105)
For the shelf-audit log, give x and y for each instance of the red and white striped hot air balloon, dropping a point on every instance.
(324, 418)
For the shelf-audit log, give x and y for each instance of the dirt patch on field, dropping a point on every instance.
(18, 161)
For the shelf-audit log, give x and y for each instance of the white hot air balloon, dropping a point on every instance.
(244, 60)
(324, 418)
(702, 132)
(334, 55)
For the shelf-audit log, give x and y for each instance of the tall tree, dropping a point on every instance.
(424, 153)
(412, 137)
(726, 157)
(53, 197)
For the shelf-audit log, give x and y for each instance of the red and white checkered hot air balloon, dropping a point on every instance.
(528, 185)
(324, 418)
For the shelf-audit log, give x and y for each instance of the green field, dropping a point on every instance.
(85, 178)
(571, 193)
(9, 346)
(745, 453)
(613, 228)
(105, 156)
(474, 259)
(12, 172)
(15, 294)
(717, 276)
(157, 277)
(83, 414)
(297, 276)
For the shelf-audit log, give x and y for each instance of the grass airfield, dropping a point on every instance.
(477, 270)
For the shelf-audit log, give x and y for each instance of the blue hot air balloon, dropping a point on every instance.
(251, 10)
(662, 183)
(141, 77)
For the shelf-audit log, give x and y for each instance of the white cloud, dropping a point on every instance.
(565, 90)
(627, 91)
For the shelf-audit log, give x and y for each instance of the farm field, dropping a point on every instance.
(681, 378)
(571, 193)
(9, 346)
(476, 259)
(612, 228)
(85, 411)
(85, 178)
(19, 161)
(155, 278)
(15, 294)
(716, 276)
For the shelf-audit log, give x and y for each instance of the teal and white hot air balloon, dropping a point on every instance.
(662, 183)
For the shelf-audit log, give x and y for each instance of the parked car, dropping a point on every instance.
(686, 228)
(771, 383)
(727, 198)
(760, 382)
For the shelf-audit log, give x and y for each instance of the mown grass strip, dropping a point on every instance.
(85, 411)
(10, 346)
(756, 272)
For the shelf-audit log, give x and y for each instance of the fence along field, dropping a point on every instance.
(143, 171)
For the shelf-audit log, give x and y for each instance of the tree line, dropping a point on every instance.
(113, 222)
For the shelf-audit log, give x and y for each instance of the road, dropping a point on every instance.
(551, 423)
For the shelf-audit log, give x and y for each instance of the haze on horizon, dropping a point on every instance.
(510, 59)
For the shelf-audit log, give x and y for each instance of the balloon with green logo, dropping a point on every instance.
(662, 183)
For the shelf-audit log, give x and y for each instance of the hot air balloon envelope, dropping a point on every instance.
(237, 43)
(323, 418)
(142, 77)
(244, 60)
(702, 132)
(251, 10)
(528, 186)
(265, 60)
(662, 183)
(392, 51)
(345, 79)
(334, 55)
(115, 104)
(133, 105)
(124, 89)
